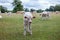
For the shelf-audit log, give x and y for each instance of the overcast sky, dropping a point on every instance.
(35, 4)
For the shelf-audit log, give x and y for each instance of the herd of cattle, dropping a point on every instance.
(28, 16)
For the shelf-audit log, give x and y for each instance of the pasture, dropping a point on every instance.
(11, 28)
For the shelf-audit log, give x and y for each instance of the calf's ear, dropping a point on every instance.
(34, 17)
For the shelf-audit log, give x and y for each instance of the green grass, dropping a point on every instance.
(11, 28)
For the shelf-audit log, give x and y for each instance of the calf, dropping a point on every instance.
(45, 15)
(27, 22)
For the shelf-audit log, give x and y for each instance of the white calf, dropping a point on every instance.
(27, 22)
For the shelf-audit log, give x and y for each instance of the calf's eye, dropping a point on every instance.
(25, 17)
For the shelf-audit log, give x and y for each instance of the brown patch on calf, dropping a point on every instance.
(43, 15)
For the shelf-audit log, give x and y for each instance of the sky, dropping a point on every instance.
(35, 4)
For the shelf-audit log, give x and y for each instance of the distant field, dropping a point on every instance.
(11, 28)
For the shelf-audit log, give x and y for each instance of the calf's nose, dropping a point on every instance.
(30, 22)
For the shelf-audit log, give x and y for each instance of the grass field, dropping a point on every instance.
(11, 28)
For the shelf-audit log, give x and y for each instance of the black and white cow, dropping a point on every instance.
(45, 15)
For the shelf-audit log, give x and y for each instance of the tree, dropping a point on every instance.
(26, 10)
(17, 6)
(31, 10)
(46, 9)
(51, 8)
(0, 8)
(57, 8)
(3, 9)
(39, 10)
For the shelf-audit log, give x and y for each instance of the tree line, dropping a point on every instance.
(19, 7)
(54, 8)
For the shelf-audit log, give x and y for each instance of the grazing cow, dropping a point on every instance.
(45, 15)
(27, 22)
(19, 12)
(57, 12)
(9, 14)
